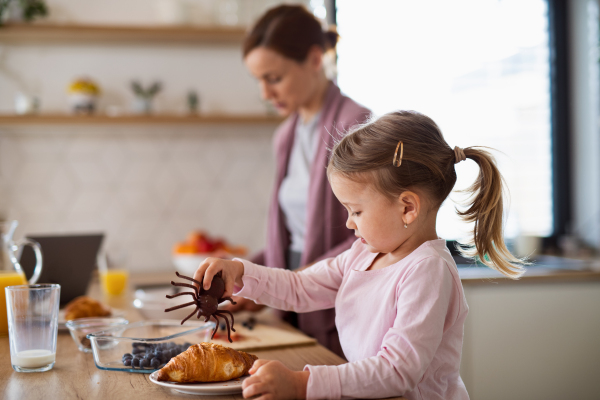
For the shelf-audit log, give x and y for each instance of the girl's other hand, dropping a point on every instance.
(232, 272)
(273, 380)
(242, 304)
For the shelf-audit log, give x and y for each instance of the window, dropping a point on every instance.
(480, 69)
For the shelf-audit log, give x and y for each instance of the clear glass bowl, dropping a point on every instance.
(80, 328)
(158, 339)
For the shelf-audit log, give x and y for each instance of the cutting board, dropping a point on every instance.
(261, 337)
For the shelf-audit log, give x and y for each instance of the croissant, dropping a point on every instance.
(207, 362)
(83, 307)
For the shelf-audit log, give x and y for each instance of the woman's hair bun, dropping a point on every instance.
(331, 39)
(290, 30)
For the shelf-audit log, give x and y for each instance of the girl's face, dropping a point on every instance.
(286, 83)
(376, 220)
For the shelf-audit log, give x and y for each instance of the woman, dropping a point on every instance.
(306, 223)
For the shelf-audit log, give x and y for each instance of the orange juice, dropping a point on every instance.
(7, 278)
(114, 281)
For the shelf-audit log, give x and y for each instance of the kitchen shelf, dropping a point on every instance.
(62, 119)
(36, 32)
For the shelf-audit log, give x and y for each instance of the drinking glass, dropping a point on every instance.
(32, 326)
(113, 273)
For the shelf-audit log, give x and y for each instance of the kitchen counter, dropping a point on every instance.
(543, 269)
(75, 375)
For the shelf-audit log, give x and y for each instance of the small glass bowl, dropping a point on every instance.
(80, 328)
(112, 347)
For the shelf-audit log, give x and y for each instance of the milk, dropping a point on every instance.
(32, 358)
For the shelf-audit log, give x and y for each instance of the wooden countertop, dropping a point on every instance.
(75, 375)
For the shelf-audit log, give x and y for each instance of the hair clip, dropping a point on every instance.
(399, 162)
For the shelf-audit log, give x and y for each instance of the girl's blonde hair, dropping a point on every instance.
(366, 154)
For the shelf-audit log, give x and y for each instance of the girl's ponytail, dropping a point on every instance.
(486, 211)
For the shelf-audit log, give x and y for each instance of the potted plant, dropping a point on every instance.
(22, 10)
(143, 97)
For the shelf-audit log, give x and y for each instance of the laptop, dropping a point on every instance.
(67, 260)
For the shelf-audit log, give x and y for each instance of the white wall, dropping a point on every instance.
(145, 186)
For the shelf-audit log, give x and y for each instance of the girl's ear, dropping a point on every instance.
(410, 204)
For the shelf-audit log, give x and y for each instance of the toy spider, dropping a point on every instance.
(206, 301)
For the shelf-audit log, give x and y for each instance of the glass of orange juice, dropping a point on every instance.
(113, 275)
(8, 278)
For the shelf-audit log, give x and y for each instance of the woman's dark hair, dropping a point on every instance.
(290, 30)
(366, 155)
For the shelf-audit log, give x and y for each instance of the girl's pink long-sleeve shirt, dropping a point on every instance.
(401, 327)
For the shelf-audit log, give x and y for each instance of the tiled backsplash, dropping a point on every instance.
(145, 187)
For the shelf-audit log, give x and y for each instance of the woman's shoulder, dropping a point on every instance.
(351, 113)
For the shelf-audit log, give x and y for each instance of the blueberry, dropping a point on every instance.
(127, 355)
(127, 362)
(136, 351)
(135, 362)
(148, 356)
(145, 363)
(157, 353)
(155, 363)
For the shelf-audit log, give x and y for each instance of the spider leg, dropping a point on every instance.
(216, 326)
(188, 278)
(188, 317)
(228, 312)
(170, 296)
(227, 298)
(180, 306)
(229, 328)
(194, 288)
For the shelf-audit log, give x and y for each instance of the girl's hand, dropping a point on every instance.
(273, 380)
(232, 272)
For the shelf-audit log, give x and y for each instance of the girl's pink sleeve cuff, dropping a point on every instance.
(323, 382)
(254, 280)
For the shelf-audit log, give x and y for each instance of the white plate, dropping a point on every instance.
(115, 312)
(215, 388)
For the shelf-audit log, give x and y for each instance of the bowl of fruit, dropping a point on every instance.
(188, 255)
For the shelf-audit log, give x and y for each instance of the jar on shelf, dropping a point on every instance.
(83, 96)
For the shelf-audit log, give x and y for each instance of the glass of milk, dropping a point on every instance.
(32, 326)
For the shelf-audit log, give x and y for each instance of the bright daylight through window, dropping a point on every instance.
(480, 69)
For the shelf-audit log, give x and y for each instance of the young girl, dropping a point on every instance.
(400, 307)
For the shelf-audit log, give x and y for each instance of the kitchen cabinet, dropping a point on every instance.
(532, 340)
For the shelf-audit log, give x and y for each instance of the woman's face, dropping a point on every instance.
(286, 83)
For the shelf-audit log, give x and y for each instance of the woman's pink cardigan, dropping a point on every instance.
(326, 232)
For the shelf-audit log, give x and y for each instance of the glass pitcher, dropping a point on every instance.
(11, 272)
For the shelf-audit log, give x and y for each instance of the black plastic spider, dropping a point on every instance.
(206, 301)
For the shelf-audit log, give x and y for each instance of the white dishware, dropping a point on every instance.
(187, 264)
(32, 326)
(211, 388)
